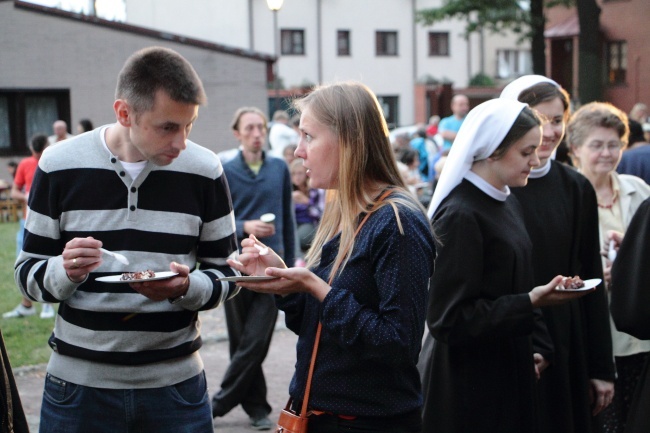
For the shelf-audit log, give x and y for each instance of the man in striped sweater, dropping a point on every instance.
(125, 356)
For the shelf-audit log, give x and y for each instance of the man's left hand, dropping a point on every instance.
(161, 290)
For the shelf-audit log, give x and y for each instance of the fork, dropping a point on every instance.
(119, 257)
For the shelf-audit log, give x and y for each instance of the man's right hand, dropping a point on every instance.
(80, 257)
(259, 229)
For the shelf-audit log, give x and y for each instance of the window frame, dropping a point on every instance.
(382, 43)
(294, 49)
(17, 116)
(343, 36)
(619, 76)
(436, 36)
(390, 109)
(519, 62)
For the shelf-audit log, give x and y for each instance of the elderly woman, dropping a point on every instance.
(483, 305)
(561, 217)
(597, 134)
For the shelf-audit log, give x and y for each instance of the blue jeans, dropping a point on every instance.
(19, 237)
(180, 408)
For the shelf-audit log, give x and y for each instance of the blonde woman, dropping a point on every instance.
(372, 314)
(597, 134)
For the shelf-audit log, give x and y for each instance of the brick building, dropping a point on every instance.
(625, 35)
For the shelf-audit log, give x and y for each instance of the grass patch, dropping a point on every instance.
(25, 338)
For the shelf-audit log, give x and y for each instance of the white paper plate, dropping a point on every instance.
(117, 278)
(248, 278)
(589, 284)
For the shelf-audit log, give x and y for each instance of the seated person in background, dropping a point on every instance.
(281, 133)
(308, 204)
(401, 141)
(422, 145)
(409, 163)
(60, 129)
(84, 125)
(288, 155)
(432, 127)
(12, 166)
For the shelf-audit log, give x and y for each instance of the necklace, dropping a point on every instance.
(609, 206)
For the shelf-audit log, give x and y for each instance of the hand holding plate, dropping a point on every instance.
(161, 290)
(549, 294)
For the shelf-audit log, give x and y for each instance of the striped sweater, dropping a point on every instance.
(107, 335)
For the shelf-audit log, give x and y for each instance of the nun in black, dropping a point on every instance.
(630, 305)
(483, 306)
(561, 217)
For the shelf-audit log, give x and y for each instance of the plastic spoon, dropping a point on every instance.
(611, 254)
(119, 257)
(263, 250)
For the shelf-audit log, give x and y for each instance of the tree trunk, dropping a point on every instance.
(590, 72)
(537, 23)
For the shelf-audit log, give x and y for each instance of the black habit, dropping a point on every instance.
(630, 305)
(12, 417)
(561, 215)
(481, 372)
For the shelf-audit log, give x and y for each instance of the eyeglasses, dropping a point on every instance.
(599, 146)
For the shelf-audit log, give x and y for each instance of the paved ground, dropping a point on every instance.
(278, 369)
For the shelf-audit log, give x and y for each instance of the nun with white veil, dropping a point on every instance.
(483, 306)
(561, 217)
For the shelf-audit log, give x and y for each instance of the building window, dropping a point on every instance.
(390, 107)
(25, 113)
(438, 43)
(514, 63)
(616, 62)
(386, 43)
(293, 42)
(343, 42)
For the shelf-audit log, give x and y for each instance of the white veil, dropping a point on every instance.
(483, 130)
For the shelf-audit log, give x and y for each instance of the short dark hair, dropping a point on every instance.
(406, 155)
(157, 68)
(39, 142)
(526, 121)
(86, 125)
(636, 132)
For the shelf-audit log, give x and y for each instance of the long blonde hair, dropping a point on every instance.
(366, 158)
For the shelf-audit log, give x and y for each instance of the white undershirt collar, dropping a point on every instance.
(536, 173)
(484, 186)
(132, 168)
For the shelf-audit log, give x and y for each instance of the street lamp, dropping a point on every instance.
(275, 6)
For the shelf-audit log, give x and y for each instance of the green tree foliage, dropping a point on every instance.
(495, 15)
(526, 17)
